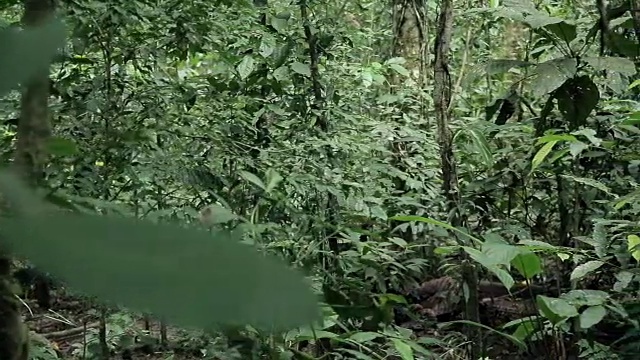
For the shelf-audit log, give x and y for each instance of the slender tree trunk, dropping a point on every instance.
(34, 126)
(410, 43)
(442, 100)
(30, 158)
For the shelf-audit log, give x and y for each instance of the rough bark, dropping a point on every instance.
(14, 339)
(409, 42)
(33, 133)
(442, 100)
(34, 126)
(409, 38)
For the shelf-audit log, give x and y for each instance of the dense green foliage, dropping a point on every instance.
(306, 130)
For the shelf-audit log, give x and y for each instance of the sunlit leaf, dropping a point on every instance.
(404, 349)
(505, 278)
(363, 337)
(273, 180)
(246, 67)
(633, 244)
(500, 253)
(592, 316)
(300, 68)
(554, 309)
(583, 270)
(542, 154)
(267, 45)
(528, 264)
(612, 63)
(253, 179)
(400, 69)
(623, 278)
(552, 74)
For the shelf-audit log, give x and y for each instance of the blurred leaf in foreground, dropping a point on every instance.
(188, 276)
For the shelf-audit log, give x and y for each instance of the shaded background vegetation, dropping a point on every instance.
(310, 125)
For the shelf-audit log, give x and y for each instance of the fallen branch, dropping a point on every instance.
(63, 334)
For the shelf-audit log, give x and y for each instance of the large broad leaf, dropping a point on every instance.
(307, 333)
(539, 19)
(617, 82)
(253, 179)
(300, 68)
(554, 309)
(583, 270)
(562, 30)
(188, 276)
(586, 297)
(592, 315)
(526, 328)
(365, 336)
(500, 253)
(528, 264)
(621, 65)
(505, 278)
(623, 279)
(577, 97)
(246, 67)
(26, 52)
(552, 74)
(404, 349)
(633, 245)
(267, 45)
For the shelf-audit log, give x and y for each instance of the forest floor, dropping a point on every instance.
(70, 331)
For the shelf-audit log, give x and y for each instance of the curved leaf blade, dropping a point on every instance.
(542, 154)
(186, 275)
(583, 270)
(592, 316)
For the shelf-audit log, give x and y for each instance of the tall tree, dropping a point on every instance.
(442, 99)
(409, 42)
(34, 125)
(34, 130)
(410, 34)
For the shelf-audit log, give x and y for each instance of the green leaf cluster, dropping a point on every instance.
(188, 276)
